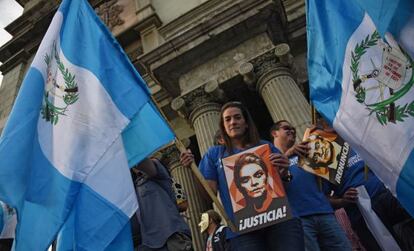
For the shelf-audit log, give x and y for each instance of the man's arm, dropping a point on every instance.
(281, 163)
(147, 166)
(300, 149)
(349, 197)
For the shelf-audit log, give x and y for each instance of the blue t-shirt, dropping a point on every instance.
(354, 177)
(212, 169)
(305, 196)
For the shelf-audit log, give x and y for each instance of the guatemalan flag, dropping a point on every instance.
(81, 115)
(361, 79)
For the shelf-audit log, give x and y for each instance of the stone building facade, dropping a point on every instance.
(195, 55)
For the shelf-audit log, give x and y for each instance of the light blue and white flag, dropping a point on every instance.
(360, 60)
(82, 113)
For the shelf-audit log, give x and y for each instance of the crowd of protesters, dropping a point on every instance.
(313, 201)
(158, 224)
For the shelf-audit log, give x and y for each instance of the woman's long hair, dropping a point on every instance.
(251, 136)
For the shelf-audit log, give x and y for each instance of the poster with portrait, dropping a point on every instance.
(256, 190)
(327, 156)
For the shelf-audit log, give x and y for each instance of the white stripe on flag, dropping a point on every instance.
(396, 141)
(86, 145)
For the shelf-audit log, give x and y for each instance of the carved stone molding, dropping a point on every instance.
(170, 156)
(212, 88)
(110, 12)
(210, 92)
(135, 53)
(198, 97)
(178, 105)
(282, 52)
(246, 69)
(265, 63)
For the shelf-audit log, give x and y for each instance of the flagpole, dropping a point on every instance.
(313, 113)
(205, 185)
(179, 144)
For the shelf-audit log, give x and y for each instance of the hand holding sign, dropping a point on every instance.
(281, 162)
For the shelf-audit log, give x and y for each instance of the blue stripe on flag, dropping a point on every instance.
(67, 241)
(405, 188)
(20, 128)
(87, 43)
(50, 195)
(123, 241)
(383, 12)
(146, 132)
(42, 195)
(327, 36)
(96, 220)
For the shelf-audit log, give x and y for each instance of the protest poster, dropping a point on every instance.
(256, 190)
(327, 156)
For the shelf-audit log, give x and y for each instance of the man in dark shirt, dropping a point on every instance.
(162, 227)
(216, 239)
(385, 205)
(308, 201)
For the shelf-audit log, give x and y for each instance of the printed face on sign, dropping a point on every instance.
(327, 155)
(253, 179)
(321, 151)
(256, 191)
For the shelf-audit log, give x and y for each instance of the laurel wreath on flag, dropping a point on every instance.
(381, 108)
(49, 111)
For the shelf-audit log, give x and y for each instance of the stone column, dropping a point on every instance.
(205, 120)
(10, 86)
(202, 107)
(282, 95)
(196, 203)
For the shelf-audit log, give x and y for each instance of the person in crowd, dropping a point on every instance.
(307, 199)
(239, 134)
(216, 239)
(161, 226)
(384, 204)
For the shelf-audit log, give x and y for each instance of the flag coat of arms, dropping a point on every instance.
(82, 116)
(360, 60)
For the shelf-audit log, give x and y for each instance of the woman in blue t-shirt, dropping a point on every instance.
(239, 133)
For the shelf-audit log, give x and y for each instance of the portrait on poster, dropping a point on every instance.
(256, 191)
(327, 155)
